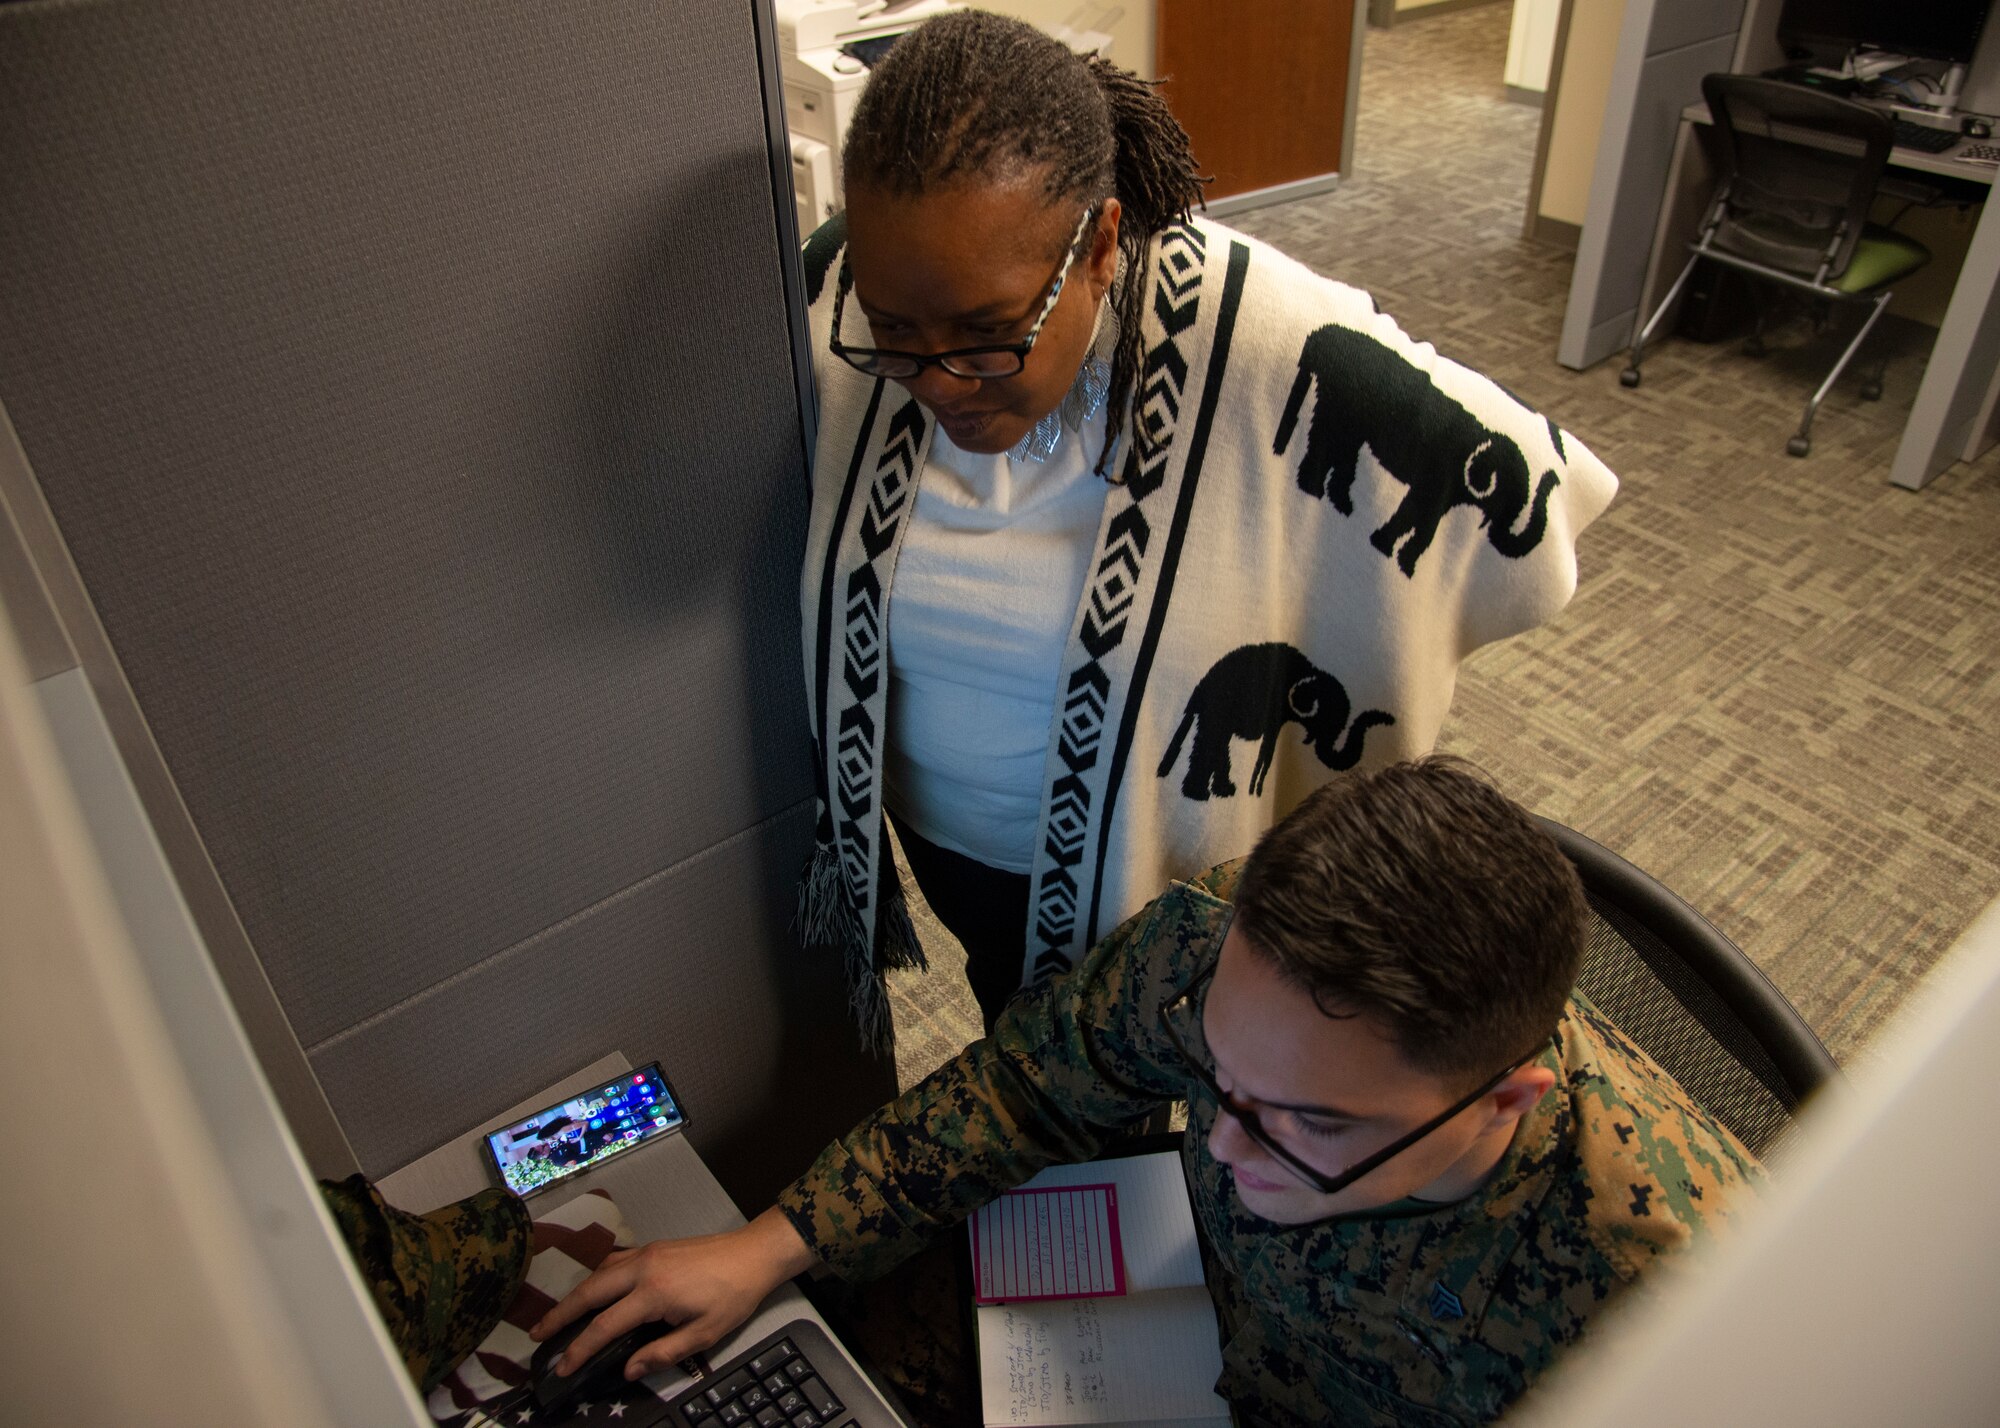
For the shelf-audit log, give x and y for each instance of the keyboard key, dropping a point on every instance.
(819, 1397)
(776, 1384)
(731, 1386)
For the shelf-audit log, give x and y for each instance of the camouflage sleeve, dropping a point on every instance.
(1067, 1064)
(1681, 1177)
(1687, 1181)
(441, 1280)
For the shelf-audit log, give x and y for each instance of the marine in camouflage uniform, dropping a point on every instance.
(1413, 1313)
(441, 1280)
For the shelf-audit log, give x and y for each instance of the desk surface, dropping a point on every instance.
(663, 1187)
(1947, 163)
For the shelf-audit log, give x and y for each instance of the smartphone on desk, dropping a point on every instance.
(585, 1130)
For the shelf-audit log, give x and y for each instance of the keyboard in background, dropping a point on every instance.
(1912, 135)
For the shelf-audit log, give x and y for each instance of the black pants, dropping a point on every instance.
(984, 907)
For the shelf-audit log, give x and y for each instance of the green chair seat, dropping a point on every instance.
(1882, 256)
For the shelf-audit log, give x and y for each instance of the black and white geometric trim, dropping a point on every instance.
(856, 729)
(1086, 697)
(1163, 384)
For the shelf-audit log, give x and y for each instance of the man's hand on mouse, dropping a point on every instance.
(705, 1287)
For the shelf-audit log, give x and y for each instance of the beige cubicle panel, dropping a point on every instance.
(1586, 45)
(168, 1262)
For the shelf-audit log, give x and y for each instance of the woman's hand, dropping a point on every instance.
(702, 1287)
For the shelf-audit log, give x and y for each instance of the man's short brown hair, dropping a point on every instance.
(1421, 897)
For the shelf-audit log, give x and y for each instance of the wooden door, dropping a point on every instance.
(1261, 86)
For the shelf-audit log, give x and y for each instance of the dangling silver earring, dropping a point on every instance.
(1085, 397)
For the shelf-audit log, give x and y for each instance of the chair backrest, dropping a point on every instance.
(1801, 168)
(1691, 998)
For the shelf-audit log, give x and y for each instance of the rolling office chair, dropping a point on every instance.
(1800, 169)
(1693, 1000)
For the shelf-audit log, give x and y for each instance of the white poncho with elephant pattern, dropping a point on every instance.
(1317, 519)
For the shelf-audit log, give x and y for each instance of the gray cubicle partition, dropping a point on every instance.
(412, 440)
(1664, 48)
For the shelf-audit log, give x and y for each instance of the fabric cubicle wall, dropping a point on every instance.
(412, 384)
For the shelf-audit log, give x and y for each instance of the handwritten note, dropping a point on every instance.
(1152, 1357)
(1054, 1243)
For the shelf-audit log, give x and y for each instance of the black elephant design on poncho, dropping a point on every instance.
(1369, 396)
(1252, 693)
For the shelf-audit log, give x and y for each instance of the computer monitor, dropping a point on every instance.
(1945, 30)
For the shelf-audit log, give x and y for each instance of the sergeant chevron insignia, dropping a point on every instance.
(1445, 1304)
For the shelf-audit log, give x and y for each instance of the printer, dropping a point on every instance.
(825, 49)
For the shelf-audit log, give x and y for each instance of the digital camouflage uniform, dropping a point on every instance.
(1409, 1315)
(441, 1280)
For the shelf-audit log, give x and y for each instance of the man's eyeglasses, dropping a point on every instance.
(1180, 1019)
(1002, 359)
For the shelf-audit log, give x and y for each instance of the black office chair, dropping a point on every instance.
(1800, 169)
(1692, 999)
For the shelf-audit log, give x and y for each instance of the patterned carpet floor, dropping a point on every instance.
(1777, 687)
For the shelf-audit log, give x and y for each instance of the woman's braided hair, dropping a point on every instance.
(976, 95)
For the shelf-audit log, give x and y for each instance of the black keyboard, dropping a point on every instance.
(796, 1378)
(1912, 135)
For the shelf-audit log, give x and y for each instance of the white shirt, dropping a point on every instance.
(987, 588)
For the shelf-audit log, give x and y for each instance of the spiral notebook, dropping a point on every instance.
(1090, 1303)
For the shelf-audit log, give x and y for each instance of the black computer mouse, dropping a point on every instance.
(604, 1369)
(1975, 128)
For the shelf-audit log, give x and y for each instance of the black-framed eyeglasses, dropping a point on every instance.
(1186, 1008)
(1002, 359)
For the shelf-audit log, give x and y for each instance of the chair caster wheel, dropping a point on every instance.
(1799, 445)
(1755, 347)
(1872, 392)
(1629, 377)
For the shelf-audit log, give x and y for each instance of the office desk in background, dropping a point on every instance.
(662, 1187)
(1952, 418)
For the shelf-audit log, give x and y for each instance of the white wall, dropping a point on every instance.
(1131, 31)
(1531, 44)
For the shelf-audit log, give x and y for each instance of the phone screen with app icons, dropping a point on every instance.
(584, 1130)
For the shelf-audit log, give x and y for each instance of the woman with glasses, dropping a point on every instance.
(1127, 531)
